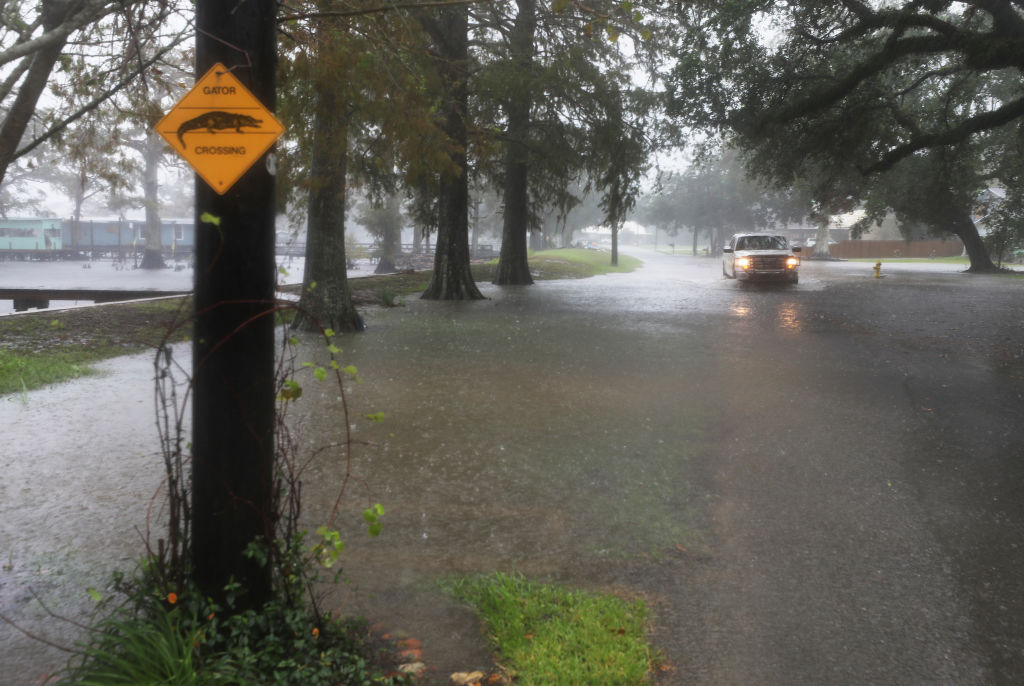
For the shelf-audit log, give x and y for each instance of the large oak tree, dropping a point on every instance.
(849, 95)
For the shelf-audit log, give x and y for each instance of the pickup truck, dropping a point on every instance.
(760, 257)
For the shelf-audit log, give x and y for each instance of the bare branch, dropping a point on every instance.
(98, 100)
(90, 11)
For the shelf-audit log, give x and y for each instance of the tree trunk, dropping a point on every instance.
(153, 257)
(821, 246)
(962, 226)
(474, 228)
(615, 246)
(385, 265)
(513, 265)
(24, 107)
(326, 299)
(390, 237)
(513, 262)
(76, 222)
(452, 278)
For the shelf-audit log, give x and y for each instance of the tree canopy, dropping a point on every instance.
(844, 94)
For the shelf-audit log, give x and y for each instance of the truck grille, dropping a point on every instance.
(768, 262)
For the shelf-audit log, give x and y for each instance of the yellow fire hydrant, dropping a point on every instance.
(878, 270)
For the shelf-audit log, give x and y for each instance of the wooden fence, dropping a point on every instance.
(890, 249)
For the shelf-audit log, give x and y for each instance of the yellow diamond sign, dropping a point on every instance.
(220, 128)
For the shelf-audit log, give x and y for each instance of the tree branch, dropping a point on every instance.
(12, 80)
(91, 10)
(957, 134)
(374, 10)
(97, 101)
(1005, 21)
(892, 53)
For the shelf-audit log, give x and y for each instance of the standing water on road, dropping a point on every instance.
(748, 460)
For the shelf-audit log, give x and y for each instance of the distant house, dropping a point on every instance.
(40, 236)
(30, 235)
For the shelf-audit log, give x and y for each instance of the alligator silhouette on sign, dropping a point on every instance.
(217, 121)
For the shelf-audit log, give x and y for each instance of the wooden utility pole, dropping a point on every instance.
(233, 349)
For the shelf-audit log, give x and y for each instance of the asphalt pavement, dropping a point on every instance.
(863, 466)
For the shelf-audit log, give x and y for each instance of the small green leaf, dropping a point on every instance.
(376, 417)
(320, 373)
(94, 594)
(328, 550)
(328, 332)
(208, 218)
(351, 371)
(371, 516)
(333, 349)
(291, 390)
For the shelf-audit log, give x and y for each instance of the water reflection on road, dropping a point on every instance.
(577, 431)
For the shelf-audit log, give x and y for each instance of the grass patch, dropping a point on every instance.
(20, 372)
(41, 348)
(574, 263)
(548, 635)
(1011, 270)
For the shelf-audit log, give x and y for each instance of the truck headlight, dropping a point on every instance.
(792, 262)
(743, 263)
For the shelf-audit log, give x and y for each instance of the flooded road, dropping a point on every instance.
(809, 485)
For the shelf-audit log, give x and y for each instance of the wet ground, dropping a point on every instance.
(810, 485)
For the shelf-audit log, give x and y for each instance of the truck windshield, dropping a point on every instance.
(761, 243)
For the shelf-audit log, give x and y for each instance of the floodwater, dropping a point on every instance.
(650, 434)
(100, 274)
(111, 275)
(79, 467)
